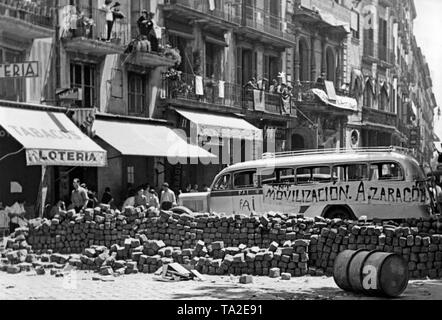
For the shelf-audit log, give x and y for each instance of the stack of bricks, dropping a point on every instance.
(236, 244)
(422, 251)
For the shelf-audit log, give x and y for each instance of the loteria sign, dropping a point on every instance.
(19, 70)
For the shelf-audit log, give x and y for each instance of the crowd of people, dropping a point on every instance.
(284, 89)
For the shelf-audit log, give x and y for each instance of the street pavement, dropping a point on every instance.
(80, 285)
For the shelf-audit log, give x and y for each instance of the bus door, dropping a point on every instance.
(247, 195)
(221, 195)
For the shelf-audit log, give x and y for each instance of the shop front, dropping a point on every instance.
(35, 144)
(142, 152)
(229, 137)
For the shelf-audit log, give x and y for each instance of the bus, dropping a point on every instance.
(381, 183)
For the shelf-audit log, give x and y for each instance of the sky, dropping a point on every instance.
(427, 29)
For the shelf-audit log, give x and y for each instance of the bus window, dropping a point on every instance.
(313, 174)
(277, 176)
(223, 183)
(245, 179)
(350, 172)
(386, 171)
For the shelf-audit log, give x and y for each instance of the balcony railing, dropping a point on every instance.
(182, 87)
(91, 23)
(379, 117)
(261, 20)
(303, 87)
(29, 12)
(273, 102)
(223, 9)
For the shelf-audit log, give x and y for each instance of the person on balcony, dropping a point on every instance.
(152, 36)
(273, 86)
(112, 13)
(142, 23)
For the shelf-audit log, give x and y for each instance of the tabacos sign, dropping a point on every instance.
(65, 158)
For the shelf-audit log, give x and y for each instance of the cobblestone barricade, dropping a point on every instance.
(141, 240)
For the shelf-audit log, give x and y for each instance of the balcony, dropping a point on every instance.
(259, 25)
(179, 89)
(86, 32)
(273, 104)
(145, 57)
(374, 116)
(223, 14)
(26, 20)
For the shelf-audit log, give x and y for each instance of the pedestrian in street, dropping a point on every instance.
(194, 189)
(55, 210)
(107, 197)
(168, 199)
(79, 197)
(188, 188)
(140, 198)
(130, 201)
(206, 188)
(152, 200)
(93, 200)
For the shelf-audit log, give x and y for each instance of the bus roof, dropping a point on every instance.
(323, 159)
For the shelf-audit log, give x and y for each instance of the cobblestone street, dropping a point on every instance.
(144, 287)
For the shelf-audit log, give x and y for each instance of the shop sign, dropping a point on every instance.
(65, 158)
(19, 70)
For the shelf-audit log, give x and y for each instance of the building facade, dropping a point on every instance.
(209, 85)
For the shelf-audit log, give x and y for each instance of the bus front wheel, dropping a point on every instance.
(339, 212)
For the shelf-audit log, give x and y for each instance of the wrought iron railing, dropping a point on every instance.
(91, 23)
(379, 117)
(183, 87)
(260, 19)
(222, 9)
(29, 12)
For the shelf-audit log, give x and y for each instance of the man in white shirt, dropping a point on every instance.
(168, 199)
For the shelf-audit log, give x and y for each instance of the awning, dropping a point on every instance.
(51, 138)
(342, 102)
(334, 22)
(213, 125)
(149, 140)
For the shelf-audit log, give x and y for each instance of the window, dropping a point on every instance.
(83, 77)
(213, 60)
(271, 67)
(355, 22)
(223, 183)
(351, 172)
(246, 179)
(386, 171)
(384, 100)
(12, 89)
(310, 175)
(137, 93)
(130, 175)
(277, 176)
(368, 95)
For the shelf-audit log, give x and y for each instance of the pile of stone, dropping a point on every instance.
(70, 232)
(422, 251)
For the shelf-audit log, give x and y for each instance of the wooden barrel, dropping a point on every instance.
(371, 272)
(340, 269)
